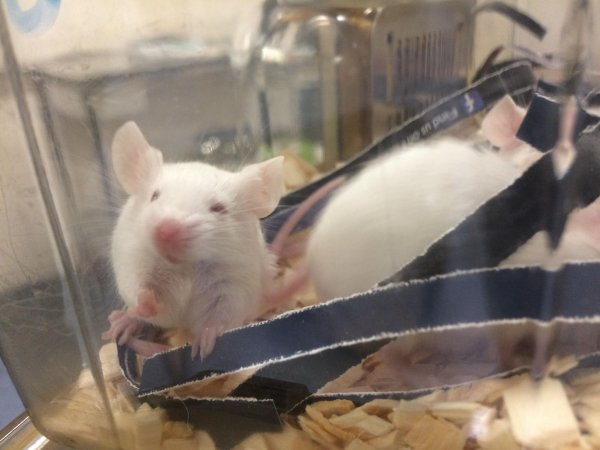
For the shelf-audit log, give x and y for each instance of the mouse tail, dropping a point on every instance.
(146, 348)
(278, 245)
(276, 296)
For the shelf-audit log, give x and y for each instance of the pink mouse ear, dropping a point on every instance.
(135, 162)
(261, 186)
(501, 124)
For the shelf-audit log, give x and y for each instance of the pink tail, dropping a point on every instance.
(276, 296)
(303, 208)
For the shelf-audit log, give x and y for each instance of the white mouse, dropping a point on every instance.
(403, 202)
(187, 249)
(395, 208)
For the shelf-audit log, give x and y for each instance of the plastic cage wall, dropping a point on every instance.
(440, 346)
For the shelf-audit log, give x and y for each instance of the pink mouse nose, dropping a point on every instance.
(168, 238)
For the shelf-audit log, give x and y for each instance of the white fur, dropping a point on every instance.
(394, 209)
(402, 203)
(222, 273)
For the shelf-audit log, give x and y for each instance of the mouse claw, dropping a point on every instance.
(203, 341)
(123, 329)
(122, 326)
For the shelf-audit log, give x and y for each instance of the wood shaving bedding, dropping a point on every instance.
(492, 414)
(489, 414)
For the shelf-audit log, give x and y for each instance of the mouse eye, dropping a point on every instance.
(218, 207)
(155, 195)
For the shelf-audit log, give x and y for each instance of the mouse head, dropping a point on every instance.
(191, 210)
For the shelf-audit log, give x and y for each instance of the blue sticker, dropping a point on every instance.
(40, 17)
(472, 102)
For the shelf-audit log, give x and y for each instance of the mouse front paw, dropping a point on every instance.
(122, 326)
(148, 304)
(203, 340)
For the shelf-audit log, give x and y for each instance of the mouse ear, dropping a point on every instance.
(135, 162)
(501, 124)
(262, 185)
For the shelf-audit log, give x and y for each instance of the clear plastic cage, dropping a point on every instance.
(438, 291)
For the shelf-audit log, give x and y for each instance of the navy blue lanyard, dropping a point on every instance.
(515, 79)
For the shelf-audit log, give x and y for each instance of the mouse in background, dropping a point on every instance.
(188, 250)
(395, 208)
(401, 203)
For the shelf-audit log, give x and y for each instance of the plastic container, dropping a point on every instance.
(446, 351)
(336, 77)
